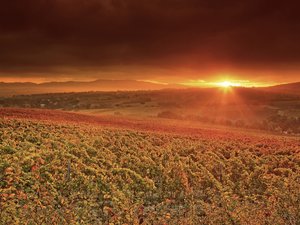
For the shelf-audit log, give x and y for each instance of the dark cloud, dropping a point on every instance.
(54, 36)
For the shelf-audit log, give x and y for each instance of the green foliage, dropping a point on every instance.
(65, 174)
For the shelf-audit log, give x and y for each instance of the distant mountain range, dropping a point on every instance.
(10, 89)
(286, 88)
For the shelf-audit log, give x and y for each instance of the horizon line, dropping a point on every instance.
(187, 84)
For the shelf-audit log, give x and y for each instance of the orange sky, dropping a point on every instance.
(188, 77)
(170, 41)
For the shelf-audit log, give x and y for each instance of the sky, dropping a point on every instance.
(168, 41)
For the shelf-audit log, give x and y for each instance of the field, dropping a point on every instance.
(138, 112)
(67, 168)
(240, 107)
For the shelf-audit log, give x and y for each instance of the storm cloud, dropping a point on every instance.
(128, 37)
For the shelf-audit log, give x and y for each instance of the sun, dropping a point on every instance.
(227, 84)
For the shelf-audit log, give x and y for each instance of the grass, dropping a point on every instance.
(59, 173)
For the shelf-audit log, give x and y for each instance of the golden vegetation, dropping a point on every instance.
(71, 174)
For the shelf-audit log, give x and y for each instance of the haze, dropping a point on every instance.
(180, 41)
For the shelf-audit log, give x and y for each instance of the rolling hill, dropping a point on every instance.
(10, 89)
(291, 88)
(28, 88)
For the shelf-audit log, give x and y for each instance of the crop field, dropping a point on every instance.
(65, 168)
(243, 108)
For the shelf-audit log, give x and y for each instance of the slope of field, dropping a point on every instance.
(183, 128)
(64, 168)
(255, 108)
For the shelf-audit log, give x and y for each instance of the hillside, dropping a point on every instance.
(292, 88)
(236, 107)
(149, 125)
(63, 168)
(29, 88)
(10, 89)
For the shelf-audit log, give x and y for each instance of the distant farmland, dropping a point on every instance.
(253, 108)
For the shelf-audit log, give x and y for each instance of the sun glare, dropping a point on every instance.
(226, 84)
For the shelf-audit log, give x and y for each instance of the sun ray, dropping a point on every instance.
(227, 84)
